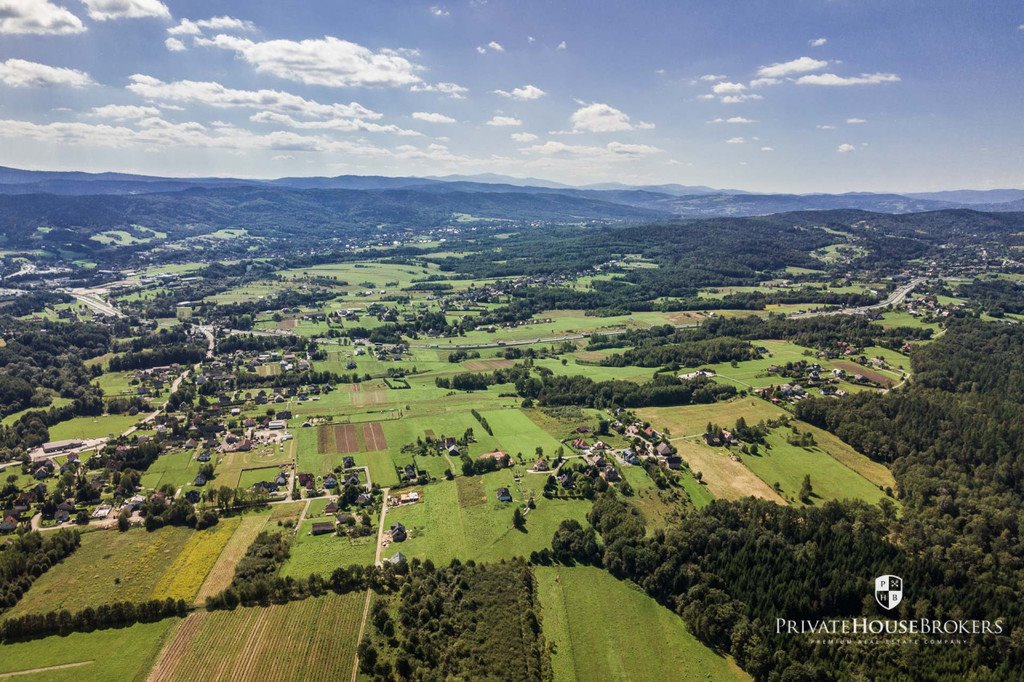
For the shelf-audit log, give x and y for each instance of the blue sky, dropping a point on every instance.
(795, 96)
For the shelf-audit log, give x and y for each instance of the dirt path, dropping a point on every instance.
(380, 527)
(359, 637)
(302, 516)
(377, 561)
(49, 668)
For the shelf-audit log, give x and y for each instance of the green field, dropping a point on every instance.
(323, 553)
(103, 655)
(441, 529)
(109, 566)
(603, 629)
(93, 427)
(691, 420)
(780, 462)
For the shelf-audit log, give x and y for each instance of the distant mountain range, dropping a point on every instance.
(614, 200)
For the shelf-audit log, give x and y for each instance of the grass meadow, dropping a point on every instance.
(604, 629)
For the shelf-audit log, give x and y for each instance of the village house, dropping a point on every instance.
(322, 528)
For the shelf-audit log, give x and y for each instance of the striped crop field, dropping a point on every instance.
(313, 639)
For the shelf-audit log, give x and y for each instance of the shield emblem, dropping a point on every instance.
(888, 591)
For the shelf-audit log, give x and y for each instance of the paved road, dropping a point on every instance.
(91, 298)
(895, 298)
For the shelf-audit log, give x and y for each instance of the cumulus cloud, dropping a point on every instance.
(856, 121)
(214, 94)
(712, 77)
(834, 80)
(439, 11)
(762, 82)
(501, 121)
(174, 45)
(602, 118)
(325, 61)
(727, 88)
(453, 90)
(561, 46)
(19, 73)
(341, 125)
(124, 112)
(818, 42)
(735, 140)
(38, 17)
(734, 119)
(527, 92)
(845, 148)
(104, 10)
(154, 133)
(799, 65)
(767, 149)
(523, 137)
(188, 27)
(430, 117)
(736, 99)
(496, 46)
(825, 126)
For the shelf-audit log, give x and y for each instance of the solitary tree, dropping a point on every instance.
(805, 490)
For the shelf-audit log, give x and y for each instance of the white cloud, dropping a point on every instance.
(767, 149)
(733, 119)
(481, 49)
(735, 140)
(561, 46)
(602, 118)
(174, 45)
(38, 17)
(523, 137)
(527, 92)
(712, 77)
(18, 73)
(856, 121)
(501, 121)
(326, 61)
(496, 46)
(799, 65)
(612, 150)
(453, 90)
(187, 27)
(762, 82)
(124, 112)
(531, 39)
(157, 134)
(439, 11)
(103, 10)
(824, 126)
(432, 117)
(214, 94)
(818, 42)
(736, 99)
(845, 148)
(727, 88)
(341, 125)
(833, 79)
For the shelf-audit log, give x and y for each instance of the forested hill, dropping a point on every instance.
(285, 212)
